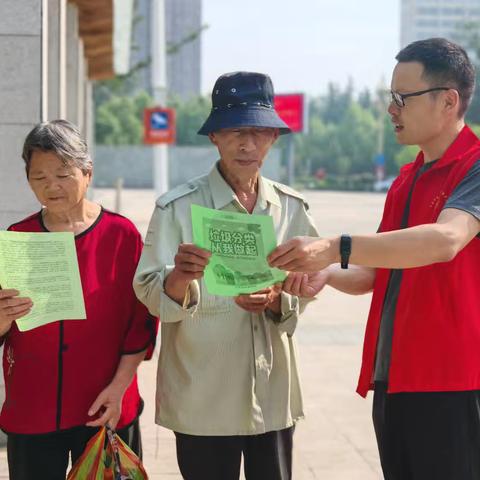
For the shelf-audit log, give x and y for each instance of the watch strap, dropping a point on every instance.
(345, 250)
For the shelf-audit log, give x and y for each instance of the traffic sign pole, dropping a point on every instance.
(159, 86)
(290, 160)
(292, 110)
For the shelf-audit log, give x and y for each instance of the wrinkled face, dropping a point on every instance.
(243, 150)
(423, 118)
(57, 186)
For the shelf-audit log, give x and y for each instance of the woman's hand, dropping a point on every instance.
(12, 307)
(109, 405)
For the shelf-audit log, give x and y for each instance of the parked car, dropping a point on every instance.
(383, 185)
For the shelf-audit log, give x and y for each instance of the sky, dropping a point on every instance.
(302, 44)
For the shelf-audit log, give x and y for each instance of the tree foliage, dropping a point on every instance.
(344, 134)
(119, 104)
(406, 155)
(469, 37)
(119, 119)
(190, 116)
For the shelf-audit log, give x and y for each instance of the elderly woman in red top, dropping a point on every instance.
(65, 379)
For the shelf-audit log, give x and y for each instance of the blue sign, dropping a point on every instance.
(159, 121)
(379, 160)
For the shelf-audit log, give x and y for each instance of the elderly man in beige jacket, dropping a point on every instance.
(227, 377)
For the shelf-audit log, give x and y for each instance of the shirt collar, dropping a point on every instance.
(267, 193)
(221, 191)
(465, 140)
(223, 194)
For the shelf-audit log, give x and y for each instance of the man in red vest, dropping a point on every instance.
(422, 343)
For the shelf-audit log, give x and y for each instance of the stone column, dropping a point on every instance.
(81, 67)
(20, 100)
(73, 55)
(57, 58)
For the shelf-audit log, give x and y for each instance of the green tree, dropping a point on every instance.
(119, 120)
(317, 148)
(343, 147)
(469, 37)
(365, 99)
(406, 155)
(334, 106)
(190, 116)
(391, 147)
(119, 105)
(358, 133)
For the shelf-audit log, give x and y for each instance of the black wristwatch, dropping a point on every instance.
(345, 249)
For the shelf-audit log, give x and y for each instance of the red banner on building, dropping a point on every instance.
(291, 109)
(159, 125)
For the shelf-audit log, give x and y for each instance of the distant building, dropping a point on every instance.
(422, 19)
(183, 18)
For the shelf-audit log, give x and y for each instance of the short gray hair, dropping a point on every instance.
(61, 138)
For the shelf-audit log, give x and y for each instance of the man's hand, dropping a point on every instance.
(305, 254)
(190, 263)
(259, 301)
(109, 404)
(12, 307)
(305, 285)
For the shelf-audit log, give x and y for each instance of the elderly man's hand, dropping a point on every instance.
(305, 254)
(305, 285)
(259, 301)
(12, 307)
(190, 263)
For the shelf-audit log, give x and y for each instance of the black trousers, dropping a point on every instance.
(35, 457)
(428, 436)
(266, 457)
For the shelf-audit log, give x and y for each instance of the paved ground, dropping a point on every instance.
(336, 441)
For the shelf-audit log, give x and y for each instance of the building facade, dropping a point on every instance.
(183, 18)
(422, 19)
(183, 23)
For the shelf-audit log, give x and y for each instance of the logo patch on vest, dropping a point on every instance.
(10, 360)
(441, 198)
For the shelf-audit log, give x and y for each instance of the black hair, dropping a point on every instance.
(445, 64)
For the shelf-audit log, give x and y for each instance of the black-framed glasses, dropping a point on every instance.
(399, 98)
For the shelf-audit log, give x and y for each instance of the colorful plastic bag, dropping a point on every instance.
(107, 457)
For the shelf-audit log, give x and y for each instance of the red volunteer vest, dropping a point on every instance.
(436, 337)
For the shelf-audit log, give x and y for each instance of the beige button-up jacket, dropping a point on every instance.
(222, 370)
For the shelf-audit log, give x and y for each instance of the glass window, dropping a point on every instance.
(427, 10)
(421, 23)
(453, 11)
(450, 23)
